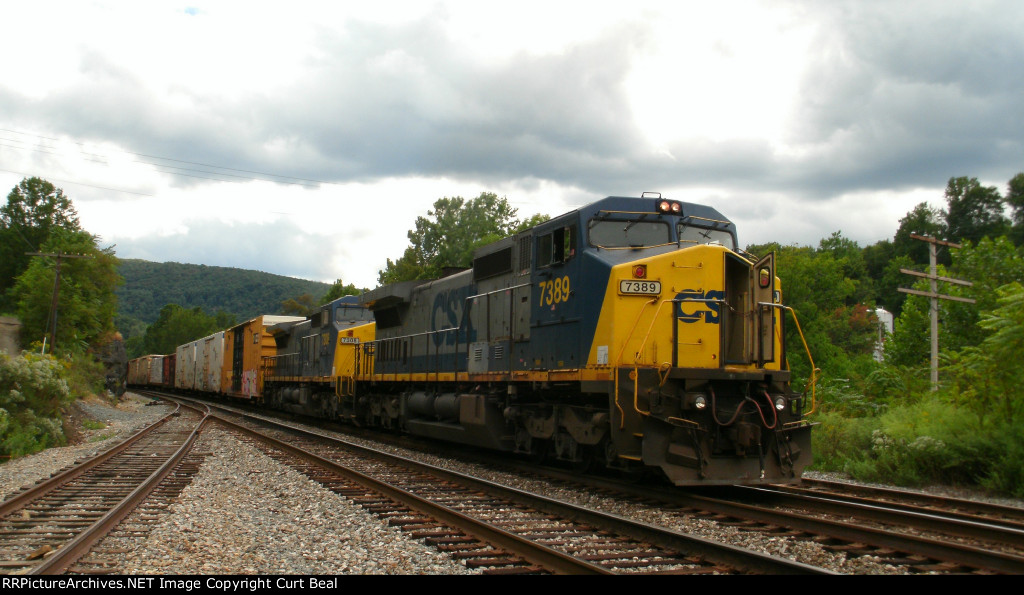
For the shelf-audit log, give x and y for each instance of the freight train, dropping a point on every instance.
(629, 334)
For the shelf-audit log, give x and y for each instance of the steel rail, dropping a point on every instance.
(737, 557)
(949, 523)
(942, 551)
(932, 548)
(70, 552)
(981, 510)
(935, 549)
(18, 501)
(543, 556)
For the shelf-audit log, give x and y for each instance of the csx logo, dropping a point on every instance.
(690, 310)
(447, 315)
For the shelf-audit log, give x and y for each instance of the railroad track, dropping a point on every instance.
(941, 519)
(919, 532)
(46, 528)
(497, 529)
(900, 535)
(912, 501)
(895, 533)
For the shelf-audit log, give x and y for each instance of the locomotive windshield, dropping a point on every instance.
(696, 234)
(612, 233)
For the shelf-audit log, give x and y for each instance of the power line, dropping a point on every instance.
(20, 173)
(102, 159)
(308, 182)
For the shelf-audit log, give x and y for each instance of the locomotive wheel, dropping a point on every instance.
(586, 462)
(539, 451)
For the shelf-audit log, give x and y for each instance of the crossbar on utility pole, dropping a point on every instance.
(56, 292)
(933, 279)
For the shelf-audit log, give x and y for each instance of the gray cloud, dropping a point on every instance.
(892, 97)
(407, 101)
(911, 94)
(385, 101)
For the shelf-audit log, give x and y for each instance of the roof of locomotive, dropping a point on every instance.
(395, 293)
(631, 206)
(648, 204)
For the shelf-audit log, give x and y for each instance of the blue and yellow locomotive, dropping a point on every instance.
(630, 333)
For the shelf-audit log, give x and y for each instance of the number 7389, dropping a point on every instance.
(554, 291)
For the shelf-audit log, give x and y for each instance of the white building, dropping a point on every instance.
(885, 327)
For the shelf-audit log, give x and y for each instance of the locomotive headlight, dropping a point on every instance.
(670, 206)
(780, 403)
(695, 401)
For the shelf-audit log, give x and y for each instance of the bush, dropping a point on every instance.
(1006, 474)
(837, 439)
(33, 391)
(838, 395)
(935, 441)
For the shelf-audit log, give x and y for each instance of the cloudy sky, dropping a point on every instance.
(304, 138)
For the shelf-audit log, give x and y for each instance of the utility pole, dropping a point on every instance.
(52, 328)
(933, 279)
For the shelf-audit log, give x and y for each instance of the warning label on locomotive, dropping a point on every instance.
(635, 287)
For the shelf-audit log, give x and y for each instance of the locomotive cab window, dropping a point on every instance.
(621, 233)
(347, 315)
(696, 234)
(556, 247)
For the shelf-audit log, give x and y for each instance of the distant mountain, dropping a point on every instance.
(149, 286)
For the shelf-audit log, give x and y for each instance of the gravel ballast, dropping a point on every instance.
(245, 513)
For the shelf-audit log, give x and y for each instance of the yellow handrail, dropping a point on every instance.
(814, 371)
(618, 361)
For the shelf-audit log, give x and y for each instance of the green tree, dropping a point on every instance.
(988, 381)
(177, 326)
(883, 267)
(34, 208)
(449, 234)
(298, 306)
(850, 258)
(87, 302)
(406, 268)
(338, 290)
(530, 223)
(833, 309)
(922, 220)
(910, 344)
(988, 265)
(974, 211)
(1015, 200)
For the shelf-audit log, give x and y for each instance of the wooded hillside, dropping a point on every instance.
(149, 286)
